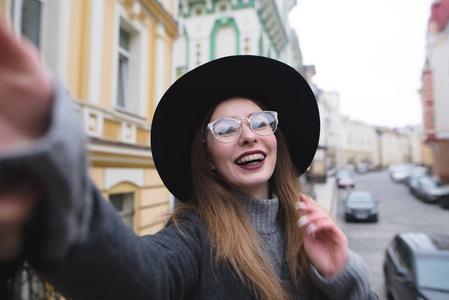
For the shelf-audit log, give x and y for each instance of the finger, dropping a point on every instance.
(306, 205)
(318, 222)
(307, 226)
(8, 40)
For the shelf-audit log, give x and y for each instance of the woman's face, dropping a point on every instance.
(248, 163)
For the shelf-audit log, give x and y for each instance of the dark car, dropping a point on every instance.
(431, 190)
(444, 202)
(345, 179)
(361, 206)
(416, 266)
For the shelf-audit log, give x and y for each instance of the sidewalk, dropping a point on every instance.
(326, 194)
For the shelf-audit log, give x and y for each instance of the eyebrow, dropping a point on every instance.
(243, 117)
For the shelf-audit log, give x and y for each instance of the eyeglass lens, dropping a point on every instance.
(228, 130)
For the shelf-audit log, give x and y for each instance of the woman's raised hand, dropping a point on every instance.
(26, 91)
(324, 242)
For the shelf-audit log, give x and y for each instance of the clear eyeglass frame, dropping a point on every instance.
(236, 135)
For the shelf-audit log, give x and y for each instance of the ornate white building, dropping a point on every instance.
(212, 29)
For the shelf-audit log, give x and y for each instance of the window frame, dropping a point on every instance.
(123, 72)
(138, 65)
(128, 217)
(16, 13)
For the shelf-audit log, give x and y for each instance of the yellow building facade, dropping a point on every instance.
(116, 59)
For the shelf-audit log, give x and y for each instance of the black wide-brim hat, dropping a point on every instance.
(183, 107)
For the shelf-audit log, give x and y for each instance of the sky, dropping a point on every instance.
(371, 52)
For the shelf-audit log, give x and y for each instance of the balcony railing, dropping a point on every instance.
(27, 285)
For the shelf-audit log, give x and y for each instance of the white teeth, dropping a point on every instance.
(245, 159)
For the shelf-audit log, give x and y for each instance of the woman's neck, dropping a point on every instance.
(258, 192)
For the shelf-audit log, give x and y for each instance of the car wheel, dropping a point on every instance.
(375, 218)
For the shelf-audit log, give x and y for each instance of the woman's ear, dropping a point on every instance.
(211, 165)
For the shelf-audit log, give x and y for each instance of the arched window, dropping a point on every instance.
(225, 38)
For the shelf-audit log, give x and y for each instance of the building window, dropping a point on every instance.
(131, 65)
(225, 38)
(26, 16)
(124, 58)
(124, 205)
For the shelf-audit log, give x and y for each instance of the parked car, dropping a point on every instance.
(444, 202)
(400, 172)
(417, 171)
(360, 205)
(413, 182)
(431, 190)
(361, 168)
(416, 266)
(331, 172)
(345, 179)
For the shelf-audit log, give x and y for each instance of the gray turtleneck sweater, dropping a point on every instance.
(263, 215)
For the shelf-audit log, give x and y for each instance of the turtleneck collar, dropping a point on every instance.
(262, 212)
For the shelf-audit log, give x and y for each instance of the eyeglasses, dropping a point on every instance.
(228, 130)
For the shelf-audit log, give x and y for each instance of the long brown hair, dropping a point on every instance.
(234, 241)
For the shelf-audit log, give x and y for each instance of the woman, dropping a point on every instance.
(243, 230)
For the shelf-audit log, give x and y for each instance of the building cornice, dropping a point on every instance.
(269, 15)
(116, 154)
(141, 8)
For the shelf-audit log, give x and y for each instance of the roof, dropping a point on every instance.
(427, 242)
(360, 194)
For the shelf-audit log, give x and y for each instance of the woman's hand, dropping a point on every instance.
(26, 92)
(324, 242)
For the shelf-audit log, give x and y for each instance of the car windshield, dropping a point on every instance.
(343, 173)
(415, 178)
(431, 184)
(433, 272)
(360, 199)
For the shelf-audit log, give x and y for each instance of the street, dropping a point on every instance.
(399, 211)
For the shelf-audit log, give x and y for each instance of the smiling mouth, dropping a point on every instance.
(251, 159)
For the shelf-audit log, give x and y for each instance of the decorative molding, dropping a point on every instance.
(212, 6)
(156, 10)
(221, 22)
(99, 123)
(134, 9)
(273, 24)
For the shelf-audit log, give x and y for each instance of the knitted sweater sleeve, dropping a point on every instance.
(353, 283)
(115, 263)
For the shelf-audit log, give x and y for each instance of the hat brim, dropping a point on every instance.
(182, 108)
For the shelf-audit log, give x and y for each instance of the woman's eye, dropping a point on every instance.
(226, 130)
(259, 125)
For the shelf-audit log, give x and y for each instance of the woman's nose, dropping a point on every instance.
(247, 135)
